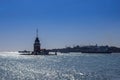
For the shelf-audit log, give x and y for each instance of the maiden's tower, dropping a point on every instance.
(37, 47)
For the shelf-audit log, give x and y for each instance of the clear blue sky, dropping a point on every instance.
(60, 22)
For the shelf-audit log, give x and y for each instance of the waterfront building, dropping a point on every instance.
(37, 47)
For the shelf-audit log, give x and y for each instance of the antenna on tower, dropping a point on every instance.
(37, 32)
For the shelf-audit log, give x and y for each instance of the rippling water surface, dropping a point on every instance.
(72, 66)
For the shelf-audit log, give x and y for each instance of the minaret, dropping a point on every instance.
(37, 48)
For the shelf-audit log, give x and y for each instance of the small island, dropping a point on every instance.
(37, 48)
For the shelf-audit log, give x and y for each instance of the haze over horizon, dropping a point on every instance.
(60, 22)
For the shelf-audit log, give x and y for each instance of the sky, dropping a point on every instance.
(61, 23)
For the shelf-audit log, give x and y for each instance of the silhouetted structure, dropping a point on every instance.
(37, 47)
(88, 49)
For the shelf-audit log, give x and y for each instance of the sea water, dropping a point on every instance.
(73, 66)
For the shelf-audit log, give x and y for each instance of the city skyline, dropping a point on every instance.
(60, 23)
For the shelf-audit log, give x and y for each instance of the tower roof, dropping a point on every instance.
(37, 39)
